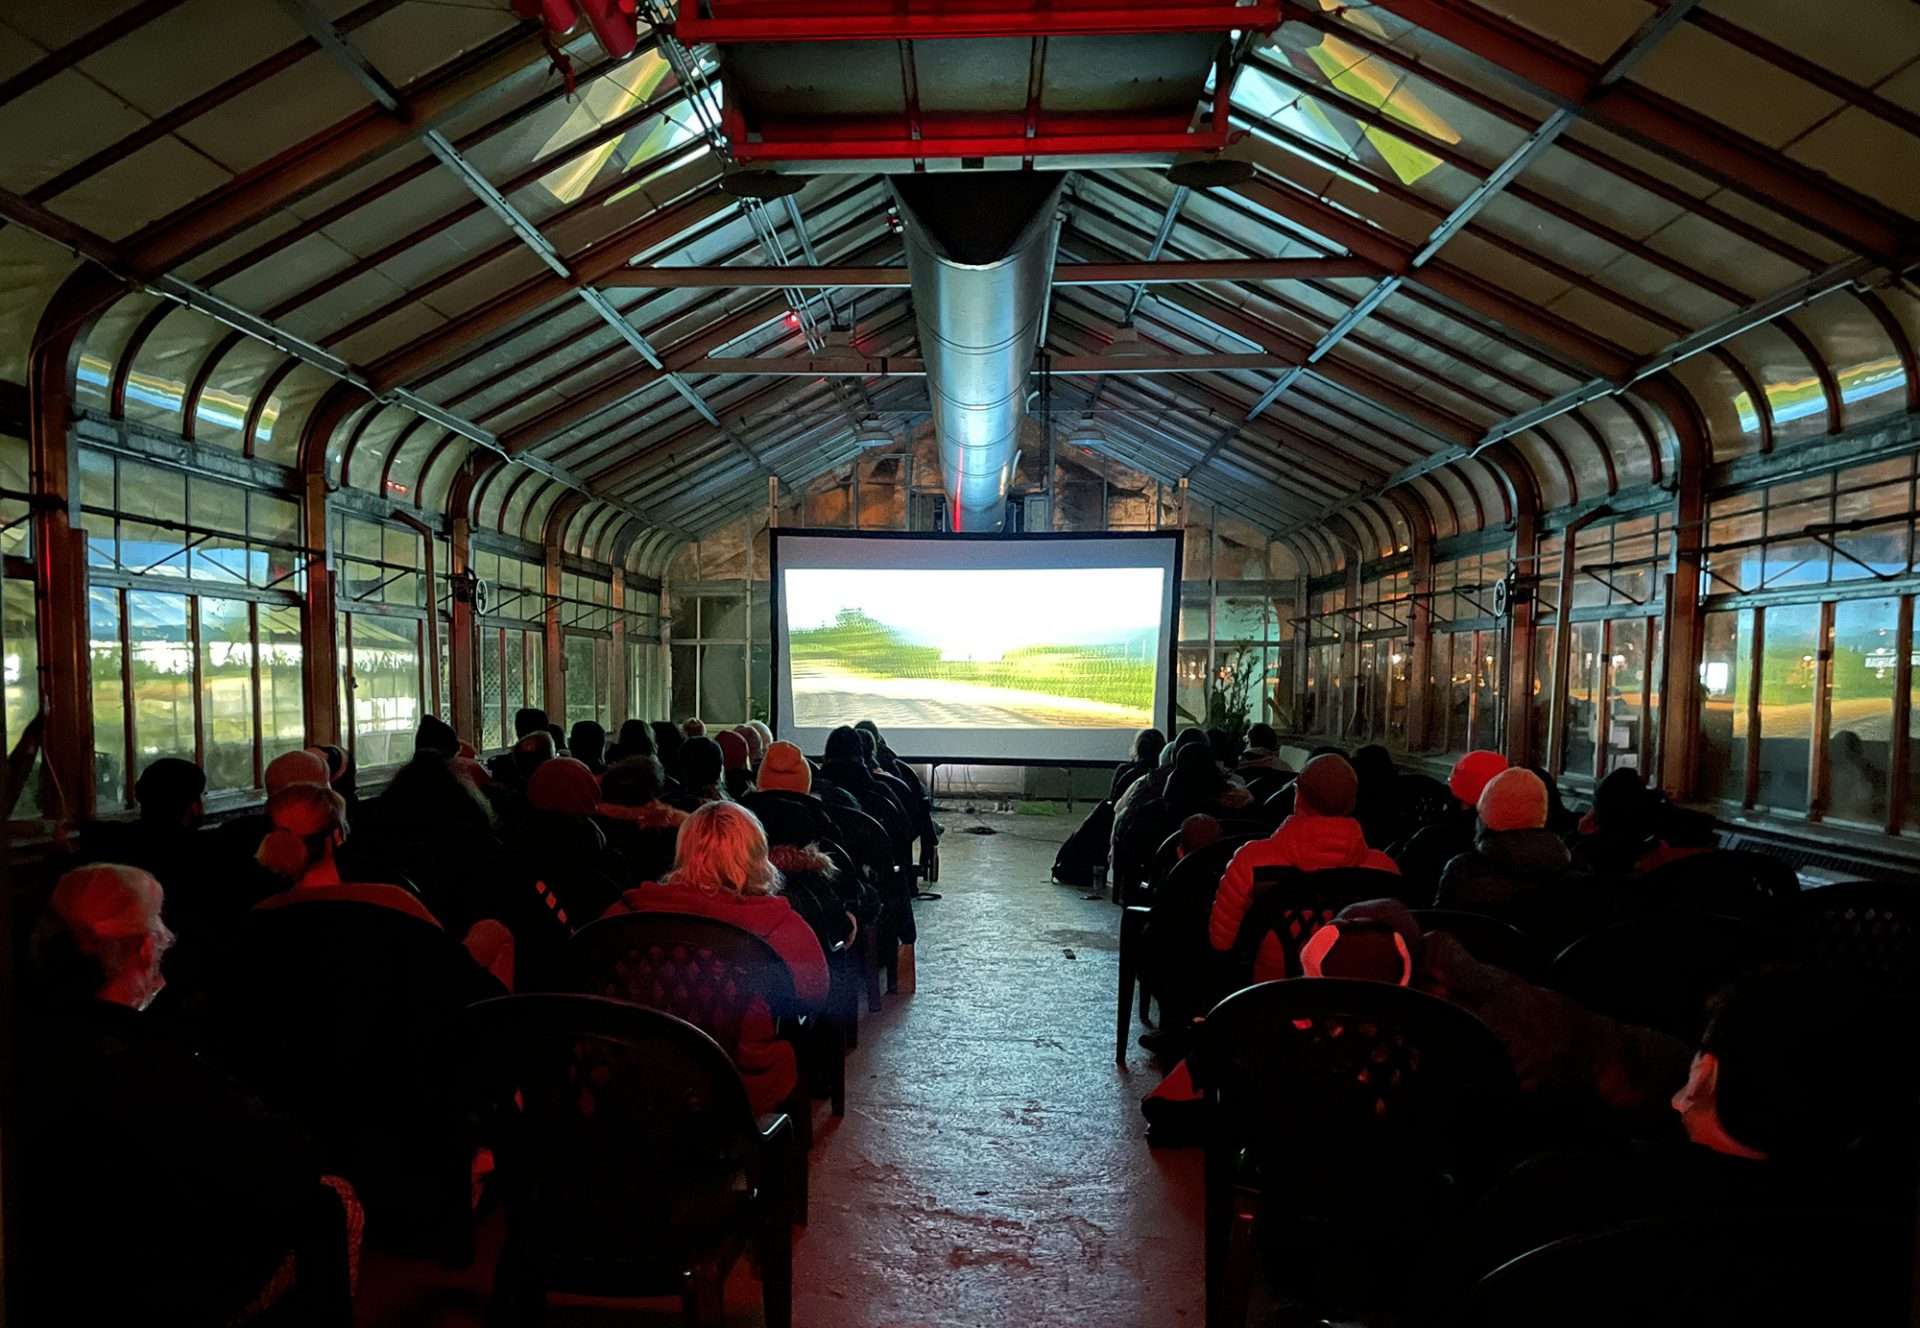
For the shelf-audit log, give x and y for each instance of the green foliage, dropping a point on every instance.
(1230, 698)
(858, 644)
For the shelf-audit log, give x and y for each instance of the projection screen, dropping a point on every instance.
(1041, 648)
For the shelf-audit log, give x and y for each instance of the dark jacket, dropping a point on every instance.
(1524, 877)
(158, 1189)
(1426, 853)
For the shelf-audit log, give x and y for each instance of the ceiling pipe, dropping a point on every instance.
(979, 254)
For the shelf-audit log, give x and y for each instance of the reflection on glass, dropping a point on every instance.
(685, 678)
(1486, 689)
(1460, 692)
(1626, 666)
(492, 728)
(282, 714)
(1859, 700)
(1791, 636)
(723, 684)
(109, 701)
(580, 679)
(1543, 644)
(1726, 657)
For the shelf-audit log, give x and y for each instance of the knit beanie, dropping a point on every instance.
(755, 748)
(436, 735)
(843, 744)
(1327, 786)
(1621, 801)
(305, 766)
(701, 762)
(785, 769)
(1514, 800)
(733, 750)
(564, 785)
(1371, 951)
(1471, 773)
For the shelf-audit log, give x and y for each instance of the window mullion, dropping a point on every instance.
(259, 725)
(199, 682)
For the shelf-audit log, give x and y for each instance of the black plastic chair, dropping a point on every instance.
(1489, 940)
(1169, 937)
(1731, 882)
(1263, 782)
(871, 848)
(1717, 1270)
(1867, 931)
(1292, 905)
(630, 1162)
(1659, 970)
(710, 973)
(1350, 1103)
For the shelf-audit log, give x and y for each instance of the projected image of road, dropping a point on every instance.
(988, 649)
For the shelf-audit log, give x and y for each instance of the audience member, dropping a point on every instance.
(1426, 854)
(639, 826)
(1380, 808)
(736, 763)
(1320, 835)
(167, 840)
(693, 728)
(1141, 758)
(1263, 749)
(756, 749)
(157, 1190)
(721, 870)
(636, 739)
(702, 767)
(785, 769)
(1618, 832)
(1518, 870)
(437, 736)
(587, 744)
(434, 828)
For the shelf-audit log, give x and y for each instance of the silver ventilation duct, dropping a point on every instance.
(979, 253)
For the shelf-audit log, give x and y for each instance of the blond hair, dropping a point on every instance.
(722, 846)
(306, 818)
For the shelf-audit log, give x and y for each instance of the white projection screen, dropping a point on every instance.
(1037, 649)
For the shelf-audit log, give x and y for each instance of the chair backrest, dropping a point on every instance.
(1489, 940)
(700, 969)
(1731, 882)
(1868, 931)
(1186, 975)
(1424, 798)
(1659, 970)
(1292, 905)
(1713, 1270)
(869, 844)
(615, 1125)
(1341, 1073)
(1264, 782)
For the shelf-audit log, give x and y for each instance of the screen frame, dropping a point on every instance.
(1170, 665)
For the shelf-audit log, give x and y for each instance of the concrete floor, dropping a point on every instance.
(990, 1169)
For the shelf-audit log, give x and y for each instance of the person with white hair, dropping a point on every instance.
(721, 870)
(155, 1186)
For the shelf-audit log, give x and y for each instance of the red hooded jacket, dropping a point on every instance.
(1306, 841)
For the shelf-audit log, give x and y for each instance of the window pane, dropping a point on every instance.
(146, 491)
(602, 682)
(512, 672)
(220, 556)
(491, 731)
(1796, 562)
(1460, 693)
(1583, 698)
(282, 714)
(536, 648)
(109, 700)
(1791, 633)
(1726, 657)
(1486, 686)
(1880, 549)
(579, 679)
(1543, 645)
(723, 617)
(723, 684)
(1627, 671)
(162, 677)
(1860, 714)
(686, 671)
(20, 628)
(1399, 659)
(226, 692)
(386, 698)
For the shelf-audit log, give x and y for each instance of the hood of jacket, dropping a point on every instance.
(797, 859)
(654, 815)
(1320, 843)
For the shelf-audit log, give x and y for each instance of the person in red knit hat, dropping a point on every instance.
(1432, 847)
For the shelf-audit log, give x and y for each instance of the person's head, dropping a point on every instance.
(1187, 737)
(1367, 949)
(437, 796)
(1225, 747)
(1196, 782)
(869, 747)
(1263, 738)
(341, 775)
(1682, 827)
(1198, 831)
(667, 741)
(733, 750)
(636, 739)
(587, 742)
(867, 726)
(701, 763)
(1147, 746)
(843, 744)
(171, 791)
(289, 769)
(530, 753)
(1513, 800)
(693, 728)
(529, 719)
(1374, 766)
(559, 736)
(755, 748)
(1326, 786)
(1781, 1071)
(1621, 804)
(785, 769)
(309, 823)
(632, 781)
(437, 736)
(723, 848)
(1556, 809)
(766, 734)
(565, 787)
(1471, 773)
(102, 937)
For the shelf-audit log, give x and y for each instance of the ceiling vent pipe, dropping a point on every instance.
(980, 256)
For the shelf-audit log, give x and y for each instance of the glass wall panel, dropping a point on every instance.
(1627, 671)
(1460, 663)
(723, 685)
(226, 693)
(1486, 690)
(283, 717)
(493, 729)
(1791, 636)
(162, 668)
(1543, 659)
(105, 660)
(387, 695)
(1860, 682)
(1726, 662)
(686, 677)
(580, 701)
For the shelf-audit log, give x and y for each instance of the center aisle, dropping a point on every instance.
(990, 1169)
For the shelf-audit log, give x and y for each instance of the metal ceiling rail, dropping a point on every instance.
(854, 365)
(1636, 49)
(946, 22)
(849, 277)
